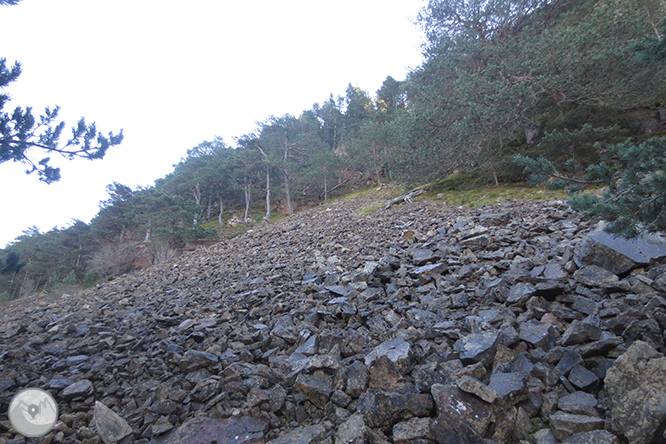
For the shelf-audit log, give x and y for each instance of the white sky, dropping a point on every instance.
(172, 74)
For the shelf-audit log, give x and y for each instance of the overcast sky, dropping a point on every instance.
(172, 74)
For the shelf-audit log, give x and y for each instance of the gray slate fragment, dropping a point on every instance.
(301, 435)
(567, 424)
(635, 385)
(110, 426)
(616, 254)
(478, 347)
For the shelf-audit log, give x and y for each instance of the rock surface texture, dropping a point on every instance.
(421, 323)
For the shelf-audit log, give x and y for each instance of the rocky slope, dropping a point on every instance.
(418, 324)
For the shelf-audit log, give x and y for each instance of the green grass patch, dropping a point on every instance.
(371, 209)
(503, 193)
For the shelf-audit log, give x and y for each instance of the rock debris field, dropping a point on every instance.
(422, 323)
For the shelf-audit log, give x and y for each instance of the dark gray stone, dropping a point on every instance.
(580, 403)
(510, 388)
(616, 254)
(478, 347)
(635, 386)
(203, 430)
(564, 425)
(80, 389)
(595, 276)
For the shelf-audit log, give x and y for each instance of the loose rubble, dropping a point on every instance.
(421, 323)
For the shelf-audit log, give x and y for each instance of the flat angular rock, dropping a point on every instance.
(478, 347)
(582, 378)
(80, 389)
(451, 401)
(595, 276)
(635, 385)
(510, 388)
(357, 379)
(580, 403)
(520, 293)
(564, 425)
(197, 358)
(203, 430)
(452, 429)
(397, 350)
(301, 435)
(352, 430)
(538, 335)
(428, 270)
(385, 374)
(478, 388)
(616, 254)
(409, 431)
(316, 389)
(110, 426)
(422, 256)
(580, 332)
(593, 437)
(385, 409)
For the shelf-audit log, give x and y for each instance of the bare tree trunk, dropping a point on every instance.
(268, 193)
(287, 190)
(148, 231)
(219, 216)
(246, 190)
(210, 207)
(196, 192)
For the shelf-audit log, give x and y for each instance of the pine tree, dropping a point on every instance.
(634, 174)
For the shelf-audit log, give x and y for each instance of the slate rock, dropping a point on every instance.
(474, 386)
(564, 425)
(635, 386)
(410, 431)
(110, 426)
(352, 430)
(582, 378)
(616, 254)
(316, 389)
(396, 350)
(580, 332)
(80, 389)
(580, 403)
(510, 388)
(385, 409)
(451, 401)
(593, 437)
(204, 430)
(357, 379)
(422, 256)
(520, 293)
(478, 347)
(452, 429)
(595, 276)
(538, 335)
(301, 435)
(385, 374)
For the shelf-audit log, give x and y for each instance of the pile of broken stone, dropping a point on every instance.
(422, 323)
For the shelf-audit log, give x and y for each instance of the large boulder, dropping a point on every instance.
(617, 254)
(635, 385)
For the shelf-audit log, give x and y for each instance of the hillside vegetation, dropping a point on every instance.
(563, 80)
